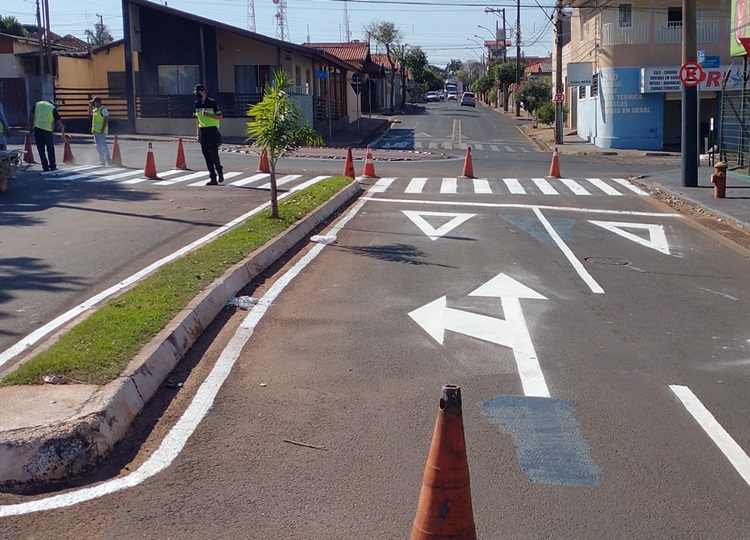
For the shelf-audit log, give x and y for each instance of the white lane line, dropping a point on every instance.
(575, 263)
(527, 362)
(185, 178)
(494, 148)
(175, 440)
(574, 186)
(514, 186)
(416, 185)
(733, 451)
(449, 185)
(628, 185)
(281, 181)
(381, 185)
(482, 186)
(250, 179)
(545, 186)
(606, 188)
(53, 325)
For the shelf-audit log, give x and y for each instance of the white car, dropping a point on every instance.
(452, 96)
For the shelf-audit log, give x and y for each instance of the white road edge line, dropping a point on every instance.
(175, 440)
(733, 451)
(53, 325)
(575, 263)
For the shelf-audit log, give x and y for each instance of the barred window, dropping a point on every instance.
(626, 15)
(595, 86)
(581, 92)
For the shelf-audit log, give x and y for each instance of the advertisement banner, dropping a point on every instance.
(740, 26)
(667, 79)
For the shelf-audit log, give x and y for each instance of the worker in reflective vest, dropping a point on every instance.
(42, 119)
(208, 117)
(100, 128)
(4, 129)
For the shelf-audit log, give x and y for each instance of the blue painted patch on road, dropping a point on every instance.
(531, 225)
(550, 447)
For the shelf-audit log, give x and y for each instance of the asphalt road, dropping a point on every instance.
(598, 338)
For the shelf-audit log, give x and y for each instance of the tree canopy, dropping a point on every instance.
(12, 26)
(100, 35)
(389, 36)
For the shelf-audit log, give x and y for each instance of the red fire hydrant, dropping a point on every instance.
(719, 180)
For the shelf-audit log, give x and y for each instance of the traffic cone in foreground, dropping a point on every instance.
(554, 170)
(369, 171)
(349, 165)
(150, 170)
(28, 154)
(444, 511)
(116, 157)
(468, 166)
(263, 165)
(180, 161)
(67, 152)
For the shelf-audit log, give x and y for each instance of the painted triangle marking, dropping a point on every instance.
(504, 286)
(657, 239)
(429, 230)
(423, 134)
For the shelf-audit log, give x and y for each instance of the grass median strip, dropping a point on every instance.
(97, 350)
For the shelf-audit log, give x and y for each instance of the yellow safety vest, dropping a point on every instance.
(97, 121)
(43, 116)
(205, 121)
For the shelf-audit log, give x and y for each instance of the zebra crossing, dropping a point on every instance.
(509, 186)
(452, 145)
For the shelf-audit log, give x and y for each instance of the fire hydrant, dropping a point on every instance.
(719, 180)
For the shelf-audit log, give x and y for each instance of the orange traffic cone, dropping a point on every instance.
(369, 171)
(150, 170)
(28, 155)
(263, 165)
(349, 165)
(67, 152)
(116, 157)
(180, 161)
(554, 170)
(444, 510)
(468, 166)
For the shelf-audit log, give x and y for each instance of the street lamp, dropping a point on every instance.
(494, 37)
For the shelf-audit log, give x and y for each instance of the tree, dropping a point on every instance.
(100, 35)
(533, 94)
(505, 74)
(276, 127)
(413, 60)
(387, 34)
(12, 26)
(453, 67)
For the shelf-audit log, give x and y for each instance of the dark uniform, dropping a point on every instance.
(208, 133)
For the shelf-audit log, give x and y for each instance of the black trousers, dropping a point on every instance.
(45, 145)
(210, 142)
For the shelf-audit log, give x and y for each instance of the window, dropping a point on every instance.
(581, 92)
(178, 79)
(674, 16)
(595, 85)
(252, 79)
(297, 76)
(626, 15)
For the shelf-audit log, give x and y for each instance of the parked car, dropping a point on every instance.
(467, 98)
(432, 96)
(452, 96)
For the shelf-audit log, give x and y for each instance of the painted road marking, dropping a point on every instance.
(733, 451)
(250, 179)
(574, 186)
(481, 186)
(449, 185)
(545, 186)
(478, 146)
(657, 239)
(175, 440)
(606, 188)
(164, 174)
(514, 186)
(193, 176)
(508, 149)
(432, 232)
(87, 176)
(628, 185)
(120, 176)
(416, 185)
(381, 185)
(281, 181)
(494, 148)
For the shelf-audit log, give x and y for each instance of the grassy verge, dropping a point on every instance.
(97, 350)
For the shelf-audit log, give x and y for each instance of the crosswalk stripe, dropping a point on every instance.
(574, 186)
(250, 179)
(449, 185)
(433, 146)
(140, 179)
(525, 151)
(545, 186)
(448, 145)
(624, 183)
(381, 185)
(463, 146)
(494, 148)
(308, 183)
(119, 176)
(514, 186)
(185, 178)
(482, 186)
(281, 181)
(89, 175)
(416, 185)
(606, 188)
(478, 146)
(509, 149)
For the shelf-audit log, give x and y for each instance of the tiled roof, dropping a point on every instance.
(540, 67)
(352, 51)
(382, 60)
(72, 42)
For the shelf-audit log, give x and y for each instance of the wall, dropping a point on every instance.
(91, 72)
(239, 50)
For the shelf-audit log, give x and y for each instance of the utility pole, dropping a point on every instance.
(559, 89)
(689, 99)
(505, 43)
(518, 57)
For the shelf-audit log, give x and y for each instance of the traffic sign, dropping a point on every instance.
(691, 74)
(518, 87)
(559, 97)
(710, 62)
(357, 78)
(356, 88)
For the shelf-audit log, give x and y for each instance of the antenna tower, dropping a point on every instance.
(282, 28)
(251, 15)
(347, 32)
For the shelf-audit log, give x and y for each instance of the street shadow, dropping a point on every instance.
(400, 253)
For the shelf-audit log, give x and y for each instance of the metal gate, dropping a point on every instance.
(734, 127)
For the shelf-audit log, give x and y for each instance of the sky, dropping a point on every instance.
(444, 29)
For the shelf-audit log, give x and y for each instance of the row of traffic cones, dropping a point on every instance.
(150, 170)
(369, 170)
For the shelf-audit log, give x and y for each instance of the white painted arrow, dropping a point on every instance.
(431, 231)
(656, 238)
(435, 318)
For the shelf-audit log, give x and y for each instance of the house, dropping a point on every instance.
(539, 71)
(384, 90)
(634, 49)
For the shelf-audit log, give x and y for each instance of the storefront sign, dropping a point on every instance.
(667, 79)
(580, 73)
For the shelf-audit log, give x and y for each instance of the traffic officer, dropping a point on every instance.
(208, 116)
(100, 128)
(42, 119)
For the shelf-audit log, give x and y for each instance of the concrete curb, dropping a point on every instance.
(73, 445)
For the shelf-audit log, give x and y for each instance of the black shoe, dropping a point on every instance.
(45, 169)
(53, 168)
(221, 175)
(212, 183)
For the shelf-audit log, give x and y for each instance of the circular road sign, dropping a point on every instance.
(357, 78)
(691, 74)
(559, 97)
